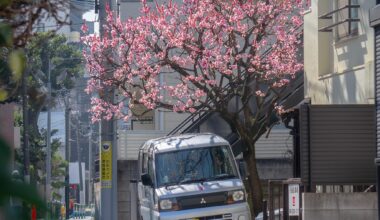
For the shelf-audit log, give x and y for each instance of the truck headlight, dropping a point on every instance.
(236, 196)
(168, 204)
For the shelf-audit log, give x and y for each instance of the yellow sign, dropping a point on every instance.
(106, 164)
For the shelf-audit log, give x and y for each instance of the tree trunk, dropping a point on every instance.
(253, 185)
(247, 131)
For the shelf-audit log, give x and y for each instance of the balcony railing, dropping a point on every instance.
(349, 20)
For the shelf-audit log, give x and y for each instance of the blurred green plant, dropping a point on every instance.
(13, 188)
(65, 59)
(38, 159)
(17, 24)
(12, 64)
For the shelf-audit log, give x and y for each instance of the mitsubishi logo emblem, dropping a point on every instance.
(203, 201)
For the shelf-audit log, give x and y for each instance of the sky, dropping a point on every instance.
(91, 16)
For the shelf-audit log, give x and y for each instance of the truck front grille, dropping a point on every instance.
(202, 200)
(213, 217)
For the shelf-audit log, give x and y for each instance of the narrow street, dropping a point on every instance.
(84, 218)
(189, 109)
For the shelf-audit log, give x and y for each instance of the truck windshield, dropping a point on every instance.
(194, 165)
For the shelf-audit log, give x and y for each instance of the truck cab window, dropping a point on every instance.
(192, 165)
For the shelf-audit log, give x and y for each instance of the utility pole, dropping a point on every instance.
(26, 128)
(90, 162)
(108, 148)
(67, 155)
(114, 170)
(48, 138)
(79, 163)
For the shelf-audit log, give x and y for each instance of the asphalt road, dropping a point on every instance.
(85, 218)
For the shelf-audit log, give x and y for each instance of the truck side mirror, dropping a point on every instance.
(146, 180)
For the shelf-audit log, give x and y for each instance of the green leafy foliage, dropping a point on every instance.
(5, 3)
(11, 187)
(9, 74)
(5, 34)
(17, 62)
(38, 159)
(65, 60)
(66, 66)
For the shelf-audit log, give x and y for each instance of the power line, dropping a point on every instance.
(84, 1)
(53, 26)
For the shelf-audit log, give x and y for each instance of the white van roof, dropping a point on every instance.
(184, 141)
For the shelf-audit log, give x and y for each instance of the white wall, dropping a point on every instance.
(129, 142)
(347, 206)
(338, 72)
(74, 178)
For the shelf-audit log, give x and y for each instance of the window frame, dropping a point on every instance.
(352, 26)
(336, 23)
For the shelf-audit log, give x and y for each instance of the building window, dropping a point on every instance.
(348, 27)
(142, 118)
(40, 27)
(344, 17)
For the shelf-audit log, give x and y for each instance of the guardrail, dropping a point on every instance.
(81, 211)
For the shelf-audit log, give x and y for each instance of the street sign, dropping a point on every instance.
(294, 199)
(106, 164)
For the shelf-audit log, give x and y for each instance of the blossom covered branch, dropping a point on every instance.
(212, 48)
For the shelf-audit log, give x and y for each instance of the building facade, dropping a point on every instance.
(133, 133)
(337, 127)
(374, 19)
(339, 90)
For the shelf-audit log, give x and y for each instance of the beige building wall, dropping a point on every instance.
(338, 71)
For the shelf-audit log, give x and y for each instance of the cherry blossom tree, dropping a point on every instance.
(215, 49)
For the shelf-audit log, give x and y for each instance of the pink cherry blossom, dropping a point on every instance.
(202, 45)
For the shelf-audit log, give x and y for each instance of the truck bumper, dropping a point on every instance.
(238, 211)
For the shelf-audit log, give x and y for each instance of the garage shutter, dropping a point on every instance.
(377, 85)
(342, 144)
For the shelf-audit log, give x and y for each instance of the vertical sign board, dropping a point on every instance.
(106, 164)
(294, 199)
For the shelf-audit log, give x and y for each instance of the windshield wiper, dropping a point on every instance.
(223, 176)
(167, 185)
(192, 181)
